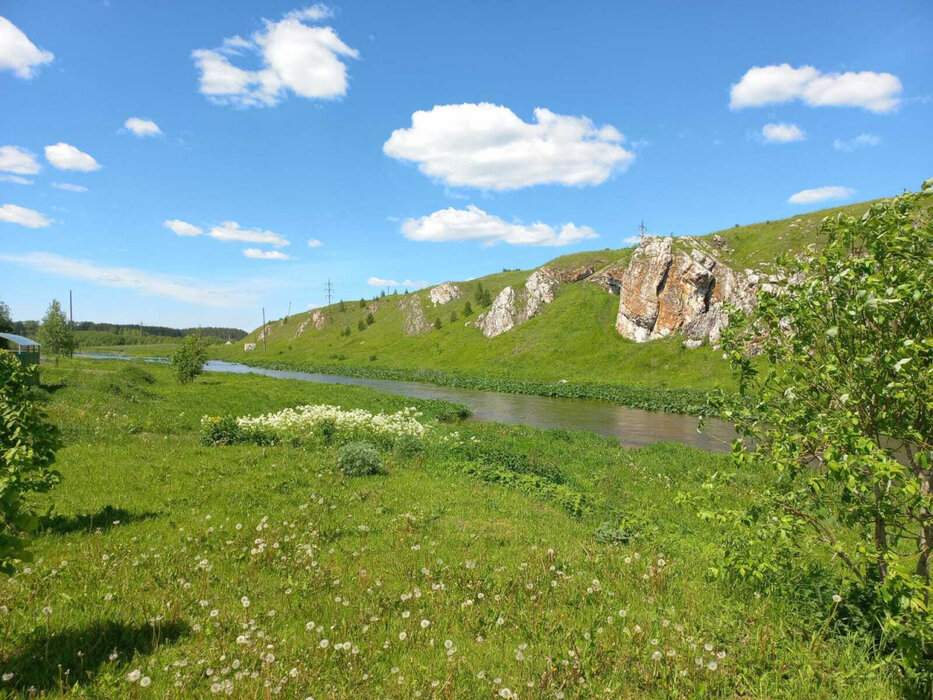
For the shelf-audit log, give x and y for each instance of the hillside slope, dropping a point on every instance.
(573, 338)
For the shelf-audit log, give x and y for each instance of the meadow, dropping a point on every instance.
(484, 561)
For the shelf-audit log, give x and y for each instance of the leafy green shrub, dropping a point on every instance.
(842, 415)
(27, 452)
(136, 375)
(220, 430)
(573, 502)
(188, 360)
(359, 459)
(409, 446)
(607, 533)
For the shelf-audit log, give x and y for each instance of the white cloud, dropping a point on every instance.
(14, 159)
(14, 214)
(308, 61)
(473, 224)
(407, 284)
(17, 53)
(488, 146)
(231, 231)
(142, 127)
(782, 133)
(762, 85)
(313, 13)
(182, 228)
(821, 194)
(180, 288)
(632, 240)
(314, 243)
(69, 187)
(860, 141)
(379, 282)
(64, 156)
(19, 180)
(258, 254)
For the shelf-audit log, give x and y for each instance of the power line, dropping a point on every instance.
(329, 291)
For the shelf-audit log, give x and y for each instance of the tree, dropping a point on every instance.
(342, 306)
(361, 325)
(370, 319)
(467, 309)
(842, 414)
(27, 451)
(55, 335)
(6, 319)
(362, 303)
(437, 323)
(188, 360)
(453, 316)
(482, 296)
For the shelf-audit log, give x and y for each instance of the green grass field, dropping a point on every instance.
(171, 569)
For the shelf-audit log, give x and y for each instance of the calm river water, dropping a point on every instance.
(632, 427)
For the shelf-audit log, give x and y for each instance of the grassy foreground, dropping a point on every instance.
(172, 569)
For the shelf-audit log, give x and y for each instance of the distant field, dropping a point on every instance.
(471, 567)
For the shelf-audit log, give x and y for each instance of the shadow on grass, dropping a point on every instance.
(104, 519)
(59, 660)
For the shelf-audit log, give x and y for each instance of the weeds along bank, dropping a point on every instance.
(475, 560)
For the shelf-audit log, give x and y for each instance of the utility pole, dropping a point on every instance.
(71, 311)
(329, 291)
(289, 312)
(264, 328)
(642, 231)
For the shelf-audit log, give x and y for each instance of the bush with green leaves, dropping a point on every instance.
(841, 412)
(359, 459)
(189, 359)
(27, 451)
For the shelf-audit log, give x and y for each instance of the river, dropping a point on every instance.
(631, 426)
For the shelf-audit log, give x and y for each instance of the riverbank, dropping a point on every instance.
(685, 401)
(486, 557)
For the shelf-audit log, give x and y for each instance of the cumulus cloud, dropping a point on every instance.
(17, 179)
(69, 187)
(182, 228)
(142, 127)
(782, 133)
(821, 194)
(314, 243)
(258, 254)
(179, 288)
(408, 284)
(762, 85)
(18, 54)
(306, 60)
(231, 231)
(14, 214)
(14, 159)
(488, 146)
(64, 156)
(473, 224)
(853, 144)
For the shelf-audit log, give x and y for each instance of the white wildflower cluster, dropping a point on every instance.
(304, 421)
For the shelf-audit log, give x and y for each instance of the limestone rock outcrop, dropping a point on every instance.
(663, 292)
(415, 321)
(317, 318)
(501, 315)
(301, 328)
(444, 293)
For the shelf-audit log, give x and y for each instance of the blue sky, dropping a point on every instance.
(541, 129)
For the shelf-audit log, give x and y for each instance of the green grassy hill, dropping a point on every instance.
(572, 339)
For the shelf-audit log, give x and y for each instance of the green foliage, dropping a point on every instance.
(220, 430)
(362, 303)
(6, 319)
(482, 296)
(467, 308)
(453, 316)
(573, 502)
(359, 459)
(342, 306)
(189, 359)
(361, 325)
(842, 413)
(409, 446)
(55, 335)
(27, 452)
(437, 323)
(370, 319)
(345, 332)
